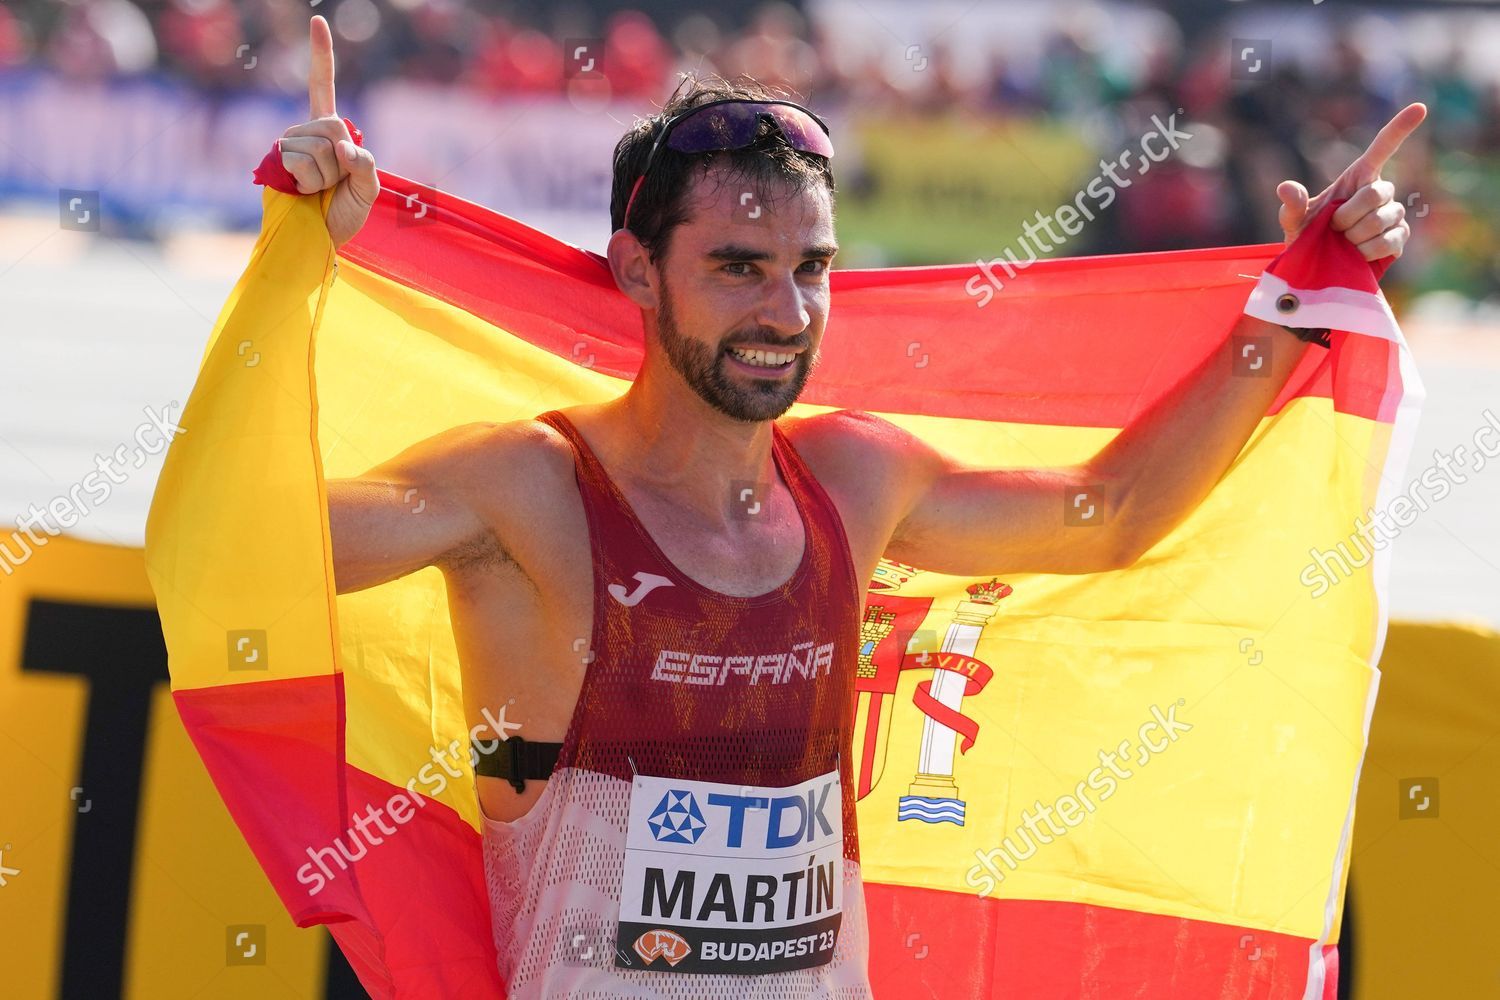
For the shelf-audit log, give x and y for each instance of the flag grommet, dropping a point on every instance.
(1287, 303)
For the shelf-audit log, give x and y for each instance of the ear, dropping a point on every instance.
(633, 271)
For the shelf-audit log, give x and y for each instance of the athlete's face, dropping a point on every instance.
(748, 269)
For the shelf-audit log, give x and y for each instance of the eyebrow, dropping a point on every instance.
(734, 251)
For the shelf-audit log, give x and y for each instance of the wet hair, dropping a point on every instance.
(661, 204)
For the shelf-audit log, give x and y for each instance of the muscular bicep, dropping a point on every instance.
(917, 504)
(412, 511)
(963, 519)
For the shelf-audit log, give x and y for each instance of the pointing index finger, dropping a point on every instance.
(320, 69)
(1388, 140)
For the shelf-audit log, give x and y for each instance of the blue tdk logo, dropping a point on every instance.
(788, 820)
(677, 819)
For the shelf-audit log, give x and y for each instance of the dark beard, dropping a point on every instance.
(703, 369)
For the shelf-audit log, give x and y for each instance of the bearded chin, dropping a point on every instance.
(705, 370)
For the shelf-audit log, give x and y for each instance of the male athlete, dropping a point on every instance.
(697, 818)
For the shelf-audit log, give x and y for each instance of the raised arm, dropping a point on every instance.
(421, 508)
(945, 515)
(952, 517)
(320, 154)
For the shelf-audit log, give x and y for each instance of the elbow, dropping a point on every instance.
(1125, 550)
(1129, 531)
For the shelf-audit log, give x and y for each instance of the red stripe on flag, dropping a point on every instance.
(275, 752)
(1091, 371)
(927, 944)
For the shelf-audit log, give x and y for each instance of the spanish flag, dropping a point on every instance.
(1131, 783)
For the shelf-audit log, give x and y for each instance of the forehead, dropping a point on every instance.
(721, 202)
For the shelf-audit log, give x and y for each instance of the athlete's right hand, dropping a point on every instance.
(320, 154)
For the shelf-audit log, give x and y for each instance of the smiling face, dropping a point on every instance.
(744, 284)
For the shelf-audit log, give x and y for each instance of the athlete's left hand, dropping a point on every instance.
(1372, 219)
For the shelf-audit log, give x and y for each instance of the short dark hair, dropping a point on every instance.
(661, 204)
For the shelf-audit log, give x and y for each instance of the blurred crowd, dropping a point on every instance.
(519, 48)
(1304, 120)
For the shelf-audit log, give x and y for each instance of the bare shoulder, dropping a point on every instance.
(517, 477)
(865, 463)
(850, 444)
(499, 463)
(481, 450)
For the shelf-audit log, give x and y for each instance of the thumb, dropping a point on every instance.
(360, 163)
(1293, 208)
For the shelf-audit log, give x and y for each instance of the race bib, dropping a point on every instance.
(738, 879)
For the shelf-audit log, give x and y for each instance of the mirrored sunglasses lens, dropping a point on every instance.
(801, 130)
(733, 126)
(725, 126)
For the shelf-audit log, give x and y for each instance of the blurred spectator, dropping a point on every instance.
(15, 39)
(774, 51)
(636, 58)
(101, 38)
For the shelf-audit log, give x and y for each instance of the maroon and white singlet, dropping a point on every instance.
(697, 838)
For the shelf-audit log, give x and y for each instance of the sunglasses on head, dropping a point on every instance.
(732, 124)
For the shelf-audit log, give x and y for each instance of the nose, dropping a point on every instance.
(784, 308)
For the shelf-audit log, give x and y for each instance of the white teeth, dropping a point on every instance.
(766, 359)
